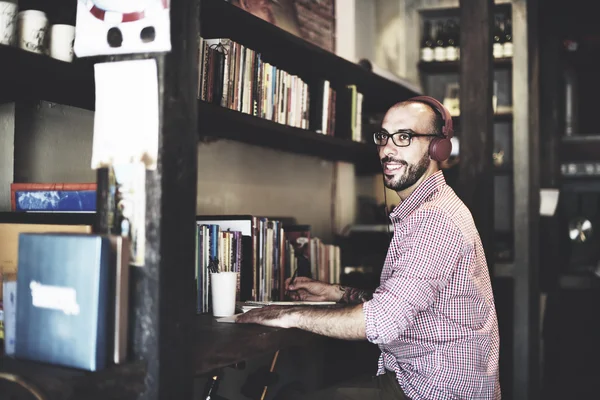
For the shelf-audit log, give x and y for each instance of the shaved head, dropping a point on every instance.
(432, 124)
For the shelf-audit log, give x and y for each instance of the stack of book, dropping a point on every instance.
(264, 252)
(236, 77)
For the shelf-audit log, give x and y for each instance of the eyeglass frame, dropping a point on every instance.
(411, 134)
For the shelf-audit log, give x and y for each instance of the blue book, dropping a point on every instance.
(55, 200)
(65, 300)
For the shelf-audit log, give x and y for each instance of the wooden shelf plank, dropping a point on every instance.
(503, 117)
(580, 148)
(26, 75)
(447, 67)
(220, 122)
(50, 218)
(220, 19)
(118, 382)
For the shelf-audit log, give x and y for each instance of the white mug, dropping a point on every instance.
(32, 28)
(62, 38)
(8, 23)
(223, 287)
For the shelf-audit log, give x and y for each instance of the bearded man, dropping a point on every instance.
(433, 314)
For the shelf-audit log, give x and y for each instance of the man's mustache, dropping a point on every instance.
(389, 159)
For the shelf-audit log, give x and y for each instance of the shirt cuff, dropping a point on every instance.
(369, 309)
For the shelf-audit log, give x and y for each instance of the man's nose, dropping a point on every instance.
(390, 149)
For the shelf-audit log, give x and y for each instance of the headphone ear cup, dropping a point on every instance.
(440, 149)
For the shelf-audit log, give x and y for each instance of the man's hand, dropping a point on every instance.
(306, 289)
(275, 316)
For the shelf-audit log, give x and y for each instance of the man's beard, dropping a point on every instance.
(411, 175)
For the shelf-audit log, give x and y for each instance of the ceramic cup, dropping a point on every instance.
(8, 23)
(32, 26)
(223, 287)
(62, 38)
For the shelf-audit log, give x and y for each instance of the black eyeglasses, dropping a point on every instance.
(401, 138)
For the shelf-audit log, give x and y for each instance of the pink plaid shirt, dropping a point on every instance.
(433, 315)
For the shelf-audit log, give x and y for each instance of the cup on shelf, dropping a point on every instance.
(223, 288)
(32, 26)
(62, 38)
(8, 22)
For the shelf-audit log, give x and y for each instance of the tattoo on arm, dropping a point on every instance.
(355, 296)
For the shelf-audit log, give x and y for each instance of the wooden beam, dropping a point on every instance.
(475, 182)
(550, 136)
(163, 290)
(171, 212)
(526, 375)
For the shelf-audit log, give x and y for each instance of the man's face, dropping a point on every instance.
(404, 166)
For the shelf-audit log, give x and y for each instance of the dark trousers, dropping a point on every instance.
(382, 387)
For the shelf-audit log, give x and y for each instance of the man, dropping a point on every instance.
(433, 315)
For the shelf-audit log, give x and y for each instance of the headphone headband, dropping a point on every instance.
(447, 129)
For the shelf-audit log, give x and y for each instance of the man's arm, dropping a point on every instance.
(354, 296)
(307, 289)
(346, 322)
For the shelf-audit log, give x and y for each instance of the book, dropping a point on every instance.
(71, 303)
(53, 197)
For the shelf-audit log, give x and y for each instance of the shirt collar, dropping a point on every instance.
(429, 186)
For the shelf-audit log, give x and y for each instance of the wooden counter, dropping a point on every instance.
(220, 344)
(216, 345)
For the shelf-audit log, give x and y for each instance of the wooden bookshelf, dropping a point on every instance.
(448, 67)
(220, 19)
(163, 365)
(73, 84)
(219, 122)
(26, 75)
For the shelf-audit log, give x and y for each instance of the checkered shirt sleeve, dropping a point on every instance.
(422, 269)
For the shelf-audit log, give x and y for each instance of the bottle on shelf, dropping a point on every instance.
(451, 41)
(570, 105)
(498, 38)
(439, 50)
(427, 43)
(507, 46)
(457, 40)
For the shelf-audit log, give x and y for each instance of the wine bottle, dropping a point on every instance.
(457, 40)
(451, 41)
(439, 50)
(498, 38)
(427, 43)
(507, 46)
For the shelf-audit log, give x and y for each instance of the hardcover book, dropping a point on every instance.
(53, 197)
(69, 290)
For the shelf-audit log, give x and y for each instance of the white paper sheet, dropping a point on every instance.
(548, 202)
(127, 113)
(230, 320)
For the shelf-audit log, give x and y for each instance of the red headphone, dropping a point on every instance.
(439, 147)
